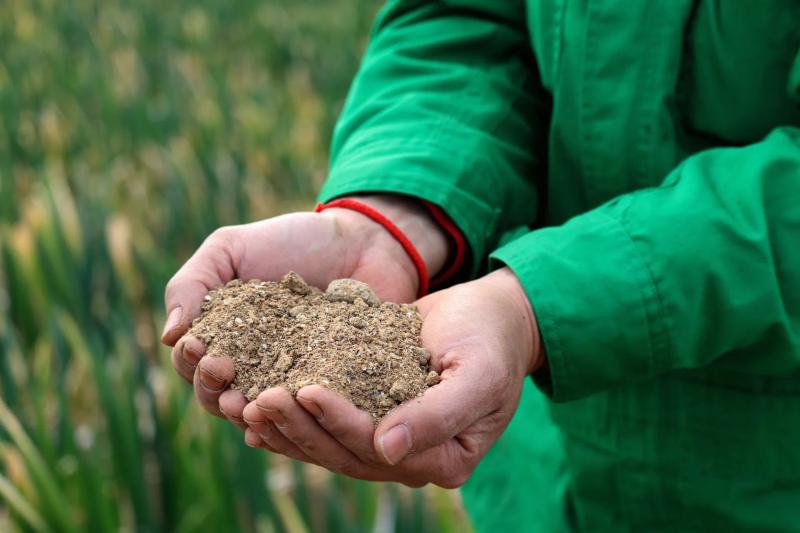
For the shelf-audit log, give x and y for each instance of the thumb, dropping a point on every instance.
(184, 299)
(209, 267)
(443, 411)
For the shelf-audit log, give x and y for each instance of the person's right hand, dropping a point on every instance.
(336, 243)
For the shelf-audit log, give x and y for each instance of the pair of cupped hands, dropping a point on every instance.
(482, 337)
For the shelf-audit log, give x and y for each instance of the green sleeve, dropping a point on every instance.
(441, 110)
(704, 270)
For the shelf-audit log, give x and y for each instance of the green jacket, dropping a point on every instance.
(637, 164)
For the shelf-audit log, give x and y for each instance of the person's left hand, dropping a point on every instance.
(483, 341)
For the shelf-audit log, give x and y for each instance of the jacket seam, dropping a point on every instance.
(661, 326)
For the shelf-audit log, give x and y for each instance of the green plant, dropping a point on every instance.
(129, 129)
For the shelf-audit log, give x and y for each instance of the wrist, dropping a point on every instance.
(509, 285)
(410, 217)
(416, 223)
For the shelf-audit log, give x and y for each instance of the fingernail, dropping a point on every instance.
(311, 406)
(395, 444)
(274, 415)
(191, 356)
(172, 320)
(211, 382)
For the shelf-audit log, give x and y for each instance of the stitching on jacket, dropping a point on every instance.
(660, 312)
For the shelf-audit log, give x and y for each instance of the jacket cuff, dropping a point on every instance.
(595, 303)
(379, 173)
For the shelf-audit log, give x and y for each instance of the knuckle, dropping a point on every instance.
(222, 234)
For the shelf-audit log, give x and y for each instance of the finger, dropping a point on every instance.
(252, 439)
(185, 356)
(352, 427)
(211, 266)
(463, 396)
(447, 465)
(213, 376)
(416, 472)
(180, 365)
(297, 425)
(257, 422)
(422, 470)
(231, 405)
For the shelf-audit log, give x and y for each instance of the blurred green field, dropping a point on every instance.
(129, 129)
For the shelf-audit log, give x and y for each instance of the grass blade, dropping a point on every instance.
(20, 505)
(52, 496)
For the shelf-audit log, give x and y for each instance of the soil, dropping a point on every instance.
(291, 334)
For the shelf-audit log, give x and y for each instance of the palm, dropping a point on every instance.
(318, 249)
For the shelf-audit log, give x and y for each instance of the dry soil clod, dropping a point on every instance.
(295, 283)
(400, 390)
(349, 290)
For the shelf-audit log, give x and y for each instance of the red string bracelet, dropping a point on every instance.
(377, 216)
(458, 241)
